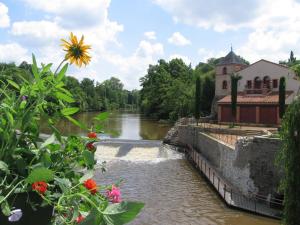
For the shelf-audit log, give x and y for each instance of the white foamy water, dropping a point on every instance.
(136, 153)
(173, 192)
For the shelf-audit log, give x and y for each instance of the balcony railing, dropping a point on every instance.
(259, 91)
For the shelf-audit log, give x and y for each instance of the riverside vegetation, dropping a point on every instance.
(37, 187)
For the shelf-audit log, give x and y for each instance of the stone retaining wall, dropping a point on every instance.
(249, 166)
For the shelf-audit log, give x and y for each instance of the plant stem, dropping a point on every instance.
(59, 66)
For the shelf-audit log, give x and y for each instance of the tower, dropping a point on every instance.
(228, 65)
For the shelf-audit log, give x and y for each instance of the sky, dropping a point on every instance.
(128, 35)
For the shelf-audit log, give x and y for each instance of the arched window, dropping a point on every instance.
(224, 70)
(224, 84)
(257, 83)
(266, 82)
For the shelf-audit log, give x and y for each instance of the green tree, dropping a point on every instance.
(234, 91)
(281, 96)
(292, 59)
(289, 159)
(197, 100)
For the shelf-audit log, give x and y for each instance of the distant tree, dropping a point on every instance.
(292, 59)
(234, 91)
(197, 100)
(208, 92)
(281, 97)
(288, 160)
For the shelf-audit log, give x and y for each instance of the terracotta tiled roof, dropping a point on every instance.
(270, 99)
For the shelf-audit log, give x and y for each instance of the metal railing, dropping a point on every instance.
(259, 204)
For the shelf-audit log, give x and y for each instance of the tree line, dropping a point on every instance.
(168, 89)
(89, 95)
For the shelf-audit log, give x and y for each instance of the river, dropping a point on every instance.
(159, 176)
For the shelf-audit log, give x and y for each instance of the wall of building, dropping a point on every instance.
(220, 77)
(274, 71)
(249, 166)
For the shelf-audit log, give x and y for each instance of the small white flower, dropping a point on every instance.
(15, 215)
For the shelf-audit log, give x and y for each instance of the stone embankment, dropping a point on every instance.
(249, 165)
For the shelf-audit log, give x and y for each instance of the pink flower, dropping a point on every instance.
(114, 195)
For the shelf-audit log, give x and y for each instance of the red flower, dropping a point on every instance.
(90, 146)
(40, 186)
(79, 219)
(92, 135)
(91, 185)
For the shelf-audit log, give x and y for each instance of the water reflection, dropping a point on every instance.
(123, 125)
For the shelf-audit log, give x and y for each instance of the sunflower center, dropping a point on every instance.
(76, 51)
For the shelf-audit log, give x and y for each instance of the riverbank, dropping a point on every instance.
(247, 164)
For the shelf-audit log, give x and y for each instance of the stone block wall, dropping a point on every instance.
(249, 166)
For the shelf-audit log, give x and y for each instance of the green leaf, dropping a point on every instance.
(64, 183)
(40, 174)
(46, 68)
(10, 117)
(35, 68)
(62, 73)
(121, 213)
(4, 167)
(64, 97)
(101, 116)
(94, 218)
(5, 208)
(69, 111)
(14, 84)
(77, 123)
(23, 104)
(88, 158)
(88, 175)
(49, 141)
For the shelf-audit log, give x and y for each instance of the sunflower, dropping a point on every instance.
(77, 52)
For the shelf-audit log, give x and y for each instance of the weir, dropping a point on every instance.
(173, 191)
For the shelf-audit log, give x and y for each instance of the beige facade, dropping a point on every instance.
(223, 81)
(267, 74)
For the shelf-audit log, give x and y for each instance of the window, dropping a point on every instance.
(257, 83)
(224, 84)
(266, 82)
(249, 84)
(275, 83)
(224, 70)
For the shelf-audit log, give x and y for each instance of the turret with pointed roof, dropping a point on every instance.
(227, 65)
(231, 58)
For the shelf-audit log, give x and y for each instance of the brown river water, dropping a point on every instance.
(172, 190)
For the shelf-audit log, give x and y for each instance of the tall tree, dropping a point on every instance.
(292, 59)
(197, 99)
(281, 97)
(289, 159)
(234, 91)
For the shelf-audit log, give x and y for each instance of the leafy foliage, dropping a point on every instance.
(168, 89)
(54, 168)
(281, 96)
(288, 159)
(234, 88)
(197, 99)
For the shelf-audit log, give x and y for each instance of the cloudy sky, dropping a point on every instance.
(128, 35)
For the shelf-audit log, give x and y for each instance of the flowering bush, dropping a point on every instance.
(57, 170)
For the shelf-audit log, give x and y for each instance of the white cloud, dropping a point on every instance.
(206, 54)
(216, 14)
(178, 39)
(184, 58)
(13, 52)
(134, 66)
(4, 18)
(151, 35)
(74, 13)
(275, 32)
